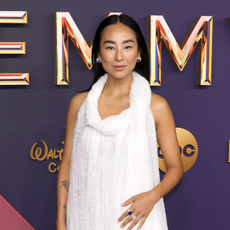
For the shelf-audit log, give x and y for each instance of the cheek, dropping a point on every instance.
(106, 56)
(106, 60)
(132, 57)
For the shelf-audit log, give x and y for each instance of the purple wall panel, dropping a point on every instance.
(29, 114)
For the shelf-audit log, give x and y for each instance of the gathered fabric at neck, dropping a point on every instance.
(113, 124)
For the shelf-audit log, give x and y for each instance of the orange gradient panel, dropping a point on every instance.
(67, 29)
(201, 33)
(13, 17)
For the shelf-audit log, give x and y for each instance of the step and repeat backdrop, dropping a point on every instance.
(45, 59)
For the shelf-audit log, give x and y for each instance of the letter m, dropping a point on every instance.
(66, 29)
(201, 32)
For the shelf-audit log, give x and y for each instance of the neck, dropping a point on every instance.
(116, 87)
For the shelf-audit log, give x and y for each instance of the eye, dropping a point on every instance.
(110, 48)
(128, 47)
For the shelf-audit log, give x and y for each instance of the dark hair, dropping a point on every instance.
(141, 67)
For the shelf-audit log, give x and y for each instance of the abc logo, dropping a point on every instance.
(188, 150)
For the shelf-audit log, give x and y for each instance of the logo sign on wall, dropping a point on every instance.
(188, 149)
(158, 32)
(41, 152)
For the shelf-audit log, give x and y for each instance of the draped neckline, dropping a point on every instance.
(139, 101)
(113, 124)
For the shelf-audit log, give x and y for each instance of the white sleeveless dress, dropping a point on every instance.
(112, 160)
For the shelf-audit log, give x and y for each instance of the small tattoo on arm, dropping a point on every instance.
(65, 184)
(64, 206)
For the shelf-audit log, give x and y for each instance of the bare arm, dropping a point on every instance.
(167, 139)
(64, 169)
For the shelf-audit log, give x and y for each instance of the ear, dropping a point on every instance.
(139, 53)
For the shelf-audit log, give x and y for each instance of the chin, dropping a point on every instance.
(120, 74)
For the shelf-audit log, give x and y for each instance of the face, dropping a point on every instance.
(118, 50)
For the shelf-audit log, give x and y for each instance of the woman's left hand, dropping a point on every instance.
(143, 204)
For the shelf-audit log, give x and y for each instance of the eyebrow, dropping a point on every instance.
(113, 42)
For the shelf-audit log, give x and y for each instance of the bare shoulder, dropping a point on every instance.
(160, 107)
(158, 103)
(76, 102)
(78, 99)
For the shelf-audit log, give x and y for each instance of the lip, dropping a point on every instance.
(119, 67)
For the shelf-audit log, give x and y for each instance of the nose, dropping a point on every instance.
(119, 55)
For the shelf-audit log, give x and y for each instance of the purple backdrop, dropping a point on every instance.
(29, 114)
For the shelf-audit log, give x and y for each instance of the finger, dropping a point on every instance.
(129, 201)
(123, 216)
(127, 220)
(141, 223)
(134, 223)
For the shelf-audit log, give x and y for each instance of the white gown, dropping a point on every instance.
(112, 160)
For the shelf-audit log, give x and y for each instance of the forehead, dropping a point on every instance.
(117, 32)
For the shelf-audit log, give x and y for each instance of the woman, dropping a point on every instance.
(110, 153)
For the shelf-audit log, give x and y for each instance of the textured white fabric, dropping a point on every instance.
(112, 160)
